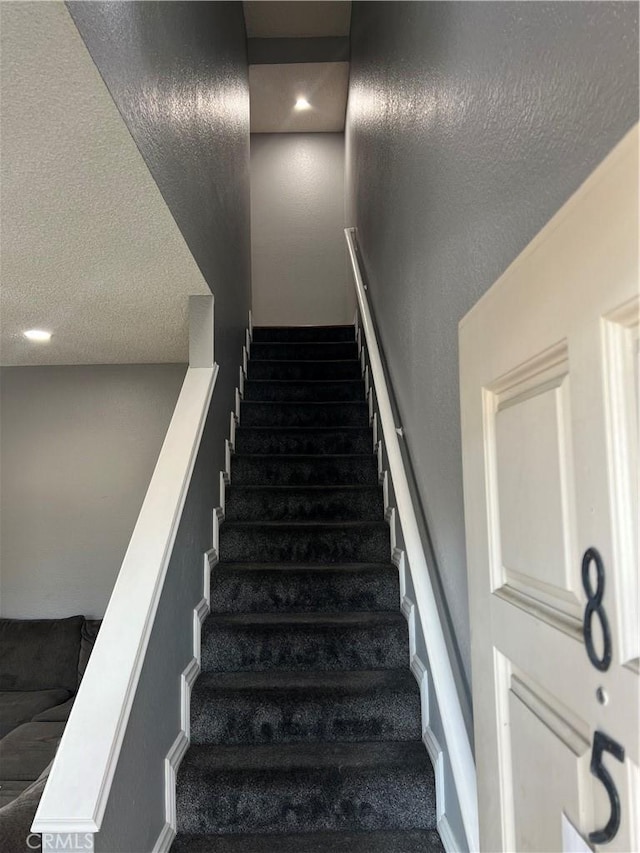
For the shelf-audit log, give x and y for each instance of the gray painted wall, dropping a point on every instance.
(135, 813)
(78, 446)
(468, 126)
(178, 74)
(298, 257)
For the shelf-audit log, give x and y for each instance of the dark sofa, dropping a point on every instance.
(42, 662)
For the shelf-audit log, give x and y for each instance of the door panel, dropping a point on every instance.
(549, 400)
(551, 753)
(528, 433)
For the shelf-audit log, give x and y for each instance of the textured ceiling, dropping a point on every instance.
(293, 19)
(275, 89)
(90, 251)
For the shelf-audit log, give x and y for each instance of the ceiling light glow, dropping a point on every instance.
(303, 104)
(38, 335)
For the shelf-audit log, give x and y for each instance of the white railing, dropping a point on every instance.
(457, 741)
(77, 790)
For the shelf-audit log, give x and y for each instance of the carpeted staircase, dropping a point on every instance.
(305, 721)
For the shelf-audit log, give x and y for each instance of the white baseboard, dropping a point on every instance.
(165, 839)
(437, 759)
(171, 765)
(449, 840)
(187, 680)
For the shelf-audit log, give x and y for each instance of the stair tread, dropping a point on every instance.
(279, 457)
(311, 525)
(369, 755)
(309, 683)
(303, 343)
(383, 841)
(232, 565)
(354, 360)
(362, 404)
(303, 429)
(320, 488)
(256, 328)
(313, 382)
(366, 617)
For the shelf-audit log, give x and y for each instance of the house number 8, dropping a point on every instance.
(593, 609)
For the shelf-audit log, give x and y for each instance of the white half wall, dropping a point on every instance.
(78, 447)
(298, 257)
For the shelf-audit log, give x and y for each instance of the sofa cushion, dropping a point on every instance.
(18, 706)
(26, 751)
(16, 819)
(90, 628)
(57, 714)
(39, 654)
(9, 790)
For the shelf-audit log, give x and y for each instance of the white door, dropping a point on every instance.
(549, 396)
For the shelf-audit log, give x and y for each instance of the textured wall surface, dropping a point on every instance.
(469, 125)
(135, 813)
(178, 74)
(78, 447)
(90, 251)
(298, 256)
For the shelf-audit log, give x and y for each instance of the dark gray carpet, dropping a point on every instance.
(307, 351)
(303, 588)
(412, 841)
(305, 721)
(312, 503)
(286, 368)
(302, 414)
(304, 541)
(309, 391)
(276, 469)
(284, 440)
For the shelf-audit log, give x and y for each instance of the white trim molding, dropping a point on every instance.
(187, 680)
(459, 752)
(447, 836)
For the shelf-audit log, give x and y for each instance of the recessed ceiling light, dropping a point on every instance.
(38, 335)
(303, 104)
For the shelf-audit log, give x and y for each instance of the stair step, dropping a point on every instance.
(298, 503)
(304, 588)
(305, 542)
(304, 641)
(279, 334)
(303, 370)
(310, 390)
(286, 707)
(409, 841)
(304, 470)
(315, 351)
(304, 440)
(346, 413)
(307, 787)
